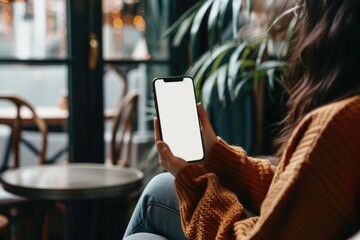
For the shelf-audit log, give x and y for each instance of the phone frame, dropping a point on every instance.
(178, 79)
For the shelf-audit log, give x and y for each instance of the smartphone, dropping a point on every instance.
(178, 116)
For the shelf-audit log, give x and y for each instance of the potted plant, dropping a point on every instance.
(230, 53)
(231, 56)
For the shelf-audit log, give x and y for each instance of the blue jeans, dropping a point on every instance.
(157, 210)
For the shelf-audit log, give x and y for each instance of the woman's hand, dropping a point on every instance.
(168, 161)
(208, 133)
(174, 164)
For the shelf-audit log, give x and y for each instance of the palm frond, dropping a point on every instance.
(207, 89)
(283, 15)
(212, 21)
(190, 13)
(236, 7)
(195, 28)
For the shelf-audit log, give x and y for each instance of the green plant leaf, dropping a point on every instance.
(233, 62)
(214, 12)
(271, 64)
(176, 25)
(195, 68)
(222, 16)
(261, 51)
(207, 90)
(218, 61)
(250, 51)
(192, 70)
(289, 34)
(240, 72)
(270, 73)
(199, 77)
(194, 31)
(236, 7)
(182, 30)
(172, 29)
(284, 14)
(240, 86)
(231, 82)
(221, 82)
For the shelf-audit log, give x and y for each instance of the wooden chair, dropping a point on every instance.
(17, 126)
(8, 200)
(4, 227)
(123, 129)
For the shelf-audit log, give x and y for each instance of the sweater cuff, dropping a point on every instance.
(185, 185)
(222, 157)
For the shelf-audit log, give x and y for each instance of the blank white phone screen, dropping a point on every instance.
(178, 118)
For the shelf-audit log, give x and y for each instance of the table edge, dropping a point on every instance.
(75, 193)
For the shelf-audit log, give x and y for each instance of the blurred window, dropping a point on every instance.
(33, 29)
(132, 29)
(34, 49)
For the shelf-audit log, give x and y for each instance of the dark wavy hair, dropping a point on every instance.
(324, 59)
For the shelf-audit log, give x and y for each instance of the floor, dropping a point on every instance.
(112, 218)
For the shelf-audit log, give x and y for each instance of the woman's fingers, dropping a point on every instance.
(172, 163)
(164, 150)
(205, 123)
(208, 133)
(167, 160)
(156, 129)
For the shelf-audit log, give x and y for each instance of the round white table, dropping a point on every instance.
(72, 183)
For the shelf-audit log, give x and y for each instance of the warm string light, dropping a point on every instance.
(6, 16)
(122, 15)
(119, 13)
(55, 22)
(139, 23)
(116, 21)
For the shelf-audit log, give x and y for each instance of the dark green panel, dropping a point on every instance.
(85, 88)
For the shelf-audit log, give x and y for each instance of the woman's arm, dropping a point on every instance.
(208, 210)
(248, 177)
(314, 194)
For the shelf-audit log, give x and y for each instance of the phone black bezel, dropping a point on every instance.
(177, 79)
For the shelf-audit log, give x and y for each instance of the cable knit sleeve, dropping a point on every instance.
(228, 171)
(248, 177)
(202, 216)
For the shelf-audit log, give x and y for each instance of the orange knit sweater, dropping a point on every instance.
(314, 193)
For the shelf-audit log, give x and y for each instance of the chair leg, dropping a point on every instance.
(6, 158)
(4, 228)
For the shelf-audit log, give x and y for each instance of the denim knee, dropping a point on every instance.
(158, 185)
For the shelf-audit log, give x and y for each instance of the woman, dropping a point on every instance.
(314, 192)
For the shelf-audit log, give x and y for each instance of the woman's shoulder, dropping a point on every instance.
(350, 102)
(330, 132)
(345, 110)
(334, 122)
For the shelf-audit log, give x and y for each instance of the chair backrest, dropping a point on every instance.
(123, 129)
(17, 125)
